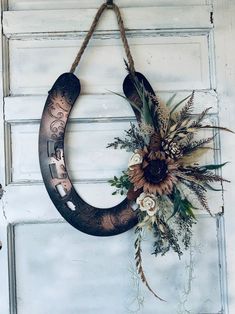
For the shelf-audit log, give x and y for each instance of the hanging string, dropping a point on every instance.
(115, 8)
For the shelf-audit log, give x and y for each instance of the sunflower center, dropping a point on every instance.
(156, 171)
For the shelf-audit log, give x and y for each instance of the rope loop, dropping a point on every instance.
(108, 5)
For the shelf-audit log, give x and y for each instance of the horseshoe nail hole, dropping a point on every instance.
(60, 189)
(71, 205)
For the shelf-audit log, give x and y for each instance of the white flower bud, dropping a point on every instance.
(135, 159)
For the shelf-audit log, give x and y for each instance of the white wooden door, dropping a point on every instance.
(46, 266)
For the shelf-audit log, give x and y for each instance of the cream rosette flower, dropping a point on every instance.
(135, 159)
(147, 202)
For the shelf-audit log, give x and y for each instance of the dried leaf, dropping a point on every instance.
(216, 127)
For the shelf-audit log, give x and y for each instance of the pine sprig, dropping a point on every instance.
(138, 263)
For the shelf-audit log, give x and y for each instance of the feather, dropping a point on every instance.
(208, 177)
(139, 267)
(197, 144)
(187, 109)
(162, 116)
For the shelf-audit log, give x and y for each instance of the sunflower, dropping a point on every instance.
(153, 173)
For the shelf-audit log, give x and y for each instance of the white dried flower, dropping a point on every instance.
(135, 159)
(148, 202)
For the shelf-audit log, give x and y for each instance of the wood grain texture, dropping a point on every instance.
(50, 21)
(165, 59)
(73, 4)
(98, 106)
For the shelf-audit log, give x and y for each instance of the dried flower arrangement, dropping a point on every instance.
(163, 169)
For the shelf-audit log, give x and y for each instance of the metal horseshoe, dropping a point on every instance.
(84, 217)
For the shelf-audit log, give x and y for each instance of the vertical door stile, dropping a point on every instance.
(225, 63)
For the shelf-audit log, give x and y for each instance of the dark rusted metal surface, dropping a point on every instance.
(131, 93)
(81, 215)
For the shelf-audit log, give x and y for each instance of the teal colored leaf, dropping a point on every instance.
(183, 206)
(169, 102)
(188, 208)
(213, 167)
(130, 102)
(146, 110)
(190, 212)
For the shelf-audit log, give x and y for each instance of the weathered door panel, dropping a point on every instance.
(45, 264)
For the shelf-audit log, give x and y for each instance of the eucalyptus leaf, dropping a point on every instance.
(130, 102)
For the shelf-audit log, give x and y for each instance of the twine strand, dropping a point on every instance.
(88, 36)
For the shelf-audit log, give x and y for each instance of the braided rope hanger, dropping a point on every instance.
(108, 5)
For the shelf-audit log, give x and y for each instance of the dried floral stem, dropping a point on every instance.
(200, 192)
(138, 261)
(187, 109)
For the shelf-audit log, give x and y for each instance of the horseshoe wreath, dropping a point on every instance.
(163, 170)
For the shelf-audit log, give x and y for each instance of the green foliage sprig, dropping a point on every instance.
(122, 184)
